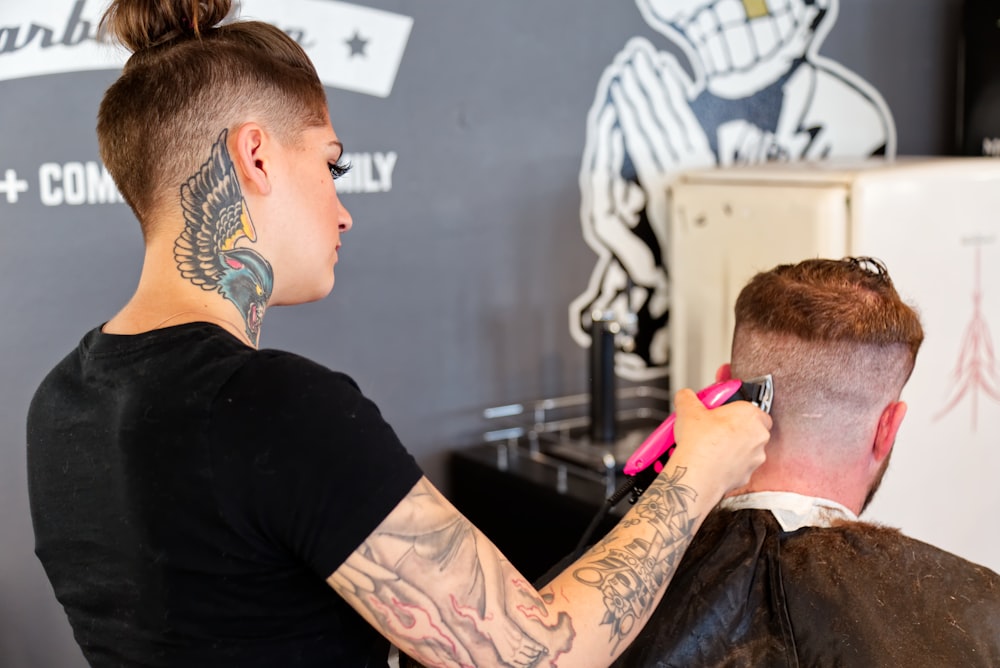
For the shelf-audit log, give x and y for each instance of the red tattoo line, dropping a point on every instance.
(468, 612)
(428, 631)
(529, 590)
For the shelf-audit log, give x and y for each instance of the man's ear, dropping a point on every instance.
(723, 373)
(885, 433)
(248, 149)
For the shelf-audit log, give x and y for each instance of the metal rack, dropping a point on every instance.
(555, 433)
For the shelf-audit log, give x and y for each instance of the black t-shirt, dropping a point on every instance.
(190, 496)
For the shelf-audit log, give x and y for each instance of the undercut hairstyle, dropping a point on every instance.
(837, 338)
(193, 73)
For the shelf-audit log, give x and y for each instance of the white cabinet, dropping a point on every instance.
(935, 222)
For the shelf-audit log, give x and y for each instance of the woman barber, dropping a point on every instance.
(198, 501)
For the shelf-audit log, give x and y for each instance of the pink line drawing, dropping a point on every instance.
(976, 368)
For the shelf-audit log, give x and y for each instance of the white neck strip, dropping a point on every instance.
(793, 511)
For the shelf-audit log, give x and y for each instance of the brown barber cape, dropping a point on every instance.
(748, 593)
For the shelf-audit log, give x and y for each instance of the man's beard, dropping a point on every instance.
(877, 482)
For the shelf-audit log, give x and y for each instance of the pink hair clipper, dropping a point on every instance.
(650, 457)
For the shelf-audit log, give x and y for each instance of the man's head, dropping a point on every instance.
(840, 345)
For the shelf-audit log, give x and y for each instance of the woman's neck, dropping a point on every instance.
(164, 298)
(232, 290)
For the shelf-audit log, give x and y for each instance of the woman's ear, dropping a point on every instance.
(249, 149)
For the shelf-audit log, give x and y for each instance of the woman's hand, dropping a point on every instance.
(727, 441)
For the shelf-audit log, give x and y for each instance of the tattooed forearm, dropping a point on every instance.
(442, 592)
(472, 610)
(630, 577)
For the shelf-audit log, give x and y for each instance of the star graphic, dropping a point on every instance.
(357, 44)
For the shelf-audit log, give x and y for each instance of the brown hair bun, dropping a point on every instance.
(141, 24)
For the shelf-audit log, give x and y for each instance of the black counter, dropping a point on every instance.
(534, 511)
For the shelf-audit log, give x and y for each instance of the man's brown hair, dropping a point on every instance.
(191, 76)
(836, 336)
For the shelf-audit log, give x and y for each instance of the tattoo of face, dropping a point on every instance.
(630, 576)
(216, 220)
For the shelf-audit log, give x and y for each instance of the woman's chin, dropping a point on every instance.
(304, 294)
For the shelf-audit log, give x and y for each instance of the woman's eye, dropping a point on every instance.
(337, 169)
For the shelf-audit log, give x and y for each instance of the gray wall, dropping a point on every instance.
(453, 287)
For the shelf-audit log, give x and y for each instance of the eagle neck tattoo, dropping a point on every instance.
(212, 251)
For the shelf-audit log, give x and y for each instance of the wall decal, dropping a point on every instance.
(975, 371)
(353, 47)
(749, 88)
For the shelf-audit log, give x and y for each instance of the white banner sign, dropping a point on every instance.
(353, 47)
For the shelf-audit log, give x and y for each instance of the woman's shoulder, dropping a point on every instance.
(285, 367)
(289, 386)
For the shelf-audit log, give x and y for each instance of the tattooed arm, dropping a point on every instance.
(436, 587)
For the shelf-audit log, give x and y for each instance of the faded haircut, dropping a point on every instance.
(835, 335)
(187, 80)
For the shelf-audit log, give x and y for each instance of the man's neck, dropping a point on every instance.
(838, 481)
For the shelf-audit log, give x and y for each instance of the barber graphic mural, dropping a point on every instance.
(750, 88)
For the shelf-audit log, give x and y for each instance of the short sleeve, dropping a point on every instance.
(303, 460)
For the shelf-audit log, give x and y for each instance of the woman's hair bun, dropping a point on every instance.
(140, 24)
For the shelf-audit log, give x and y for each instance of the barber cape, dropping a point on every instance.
(777, 579)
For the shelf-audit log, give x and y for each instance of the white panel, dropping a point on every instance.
(938, 230)
(353, 47)
(936, 224)
(723, 234)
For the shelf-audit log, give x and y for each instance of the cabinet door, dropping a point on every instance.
(723, 234)
(938, 231)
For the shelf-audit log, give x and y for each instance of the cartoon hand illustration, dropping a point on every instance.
(630, 268)
(616, 200)
(641, 136)
(652, 95)
(662, 134)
